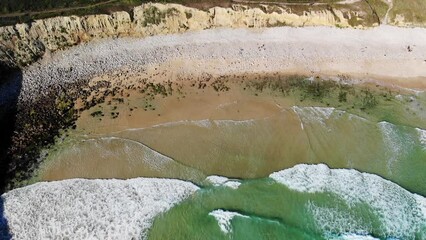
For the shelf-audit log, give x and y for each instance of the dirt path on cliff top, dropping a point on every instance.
(56, 10)
(390, 5)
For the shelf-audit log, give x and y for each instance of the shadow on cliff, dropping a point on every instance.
(10, 88)
(4, 229)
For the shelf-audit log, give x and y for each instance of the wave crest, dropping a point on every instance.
(399, 211)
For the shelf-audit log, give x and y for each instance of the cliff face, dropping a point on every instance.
(23, 44)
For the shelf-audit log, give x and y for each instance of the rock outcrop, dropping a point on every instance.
(23, 44)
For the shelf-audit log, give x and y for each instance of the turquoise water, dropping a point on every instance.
(268, 209)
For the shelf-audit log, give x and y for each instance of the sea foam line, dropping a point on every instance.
(150, 156)
(204, 123)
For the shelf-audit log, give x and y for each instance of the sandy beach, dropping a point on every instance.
(388, 54)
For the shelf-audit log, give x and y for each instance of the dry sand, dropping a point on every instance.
(388, 54)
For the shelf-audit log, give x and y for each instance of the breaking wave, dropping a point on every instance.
(91, 209)
(335, 204)
(224, 218)
(401, 214)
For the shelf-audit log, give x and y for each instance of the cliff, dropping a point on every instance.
(23, 44)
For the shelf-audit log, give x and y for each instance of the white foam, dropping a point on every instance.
(355, 237)
(91, 209)
(205, 123)
(336, 220)
(392, 142)
(309, 115)
(399, 210)
(224, 219)
(216, 180)
(421, 201)
(232, 184)
(223, 181)
(422, 137)
(314, 113)
(234, 122)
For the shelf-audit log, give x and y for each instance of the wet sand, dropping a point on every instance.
(101, 139)
(199, 131)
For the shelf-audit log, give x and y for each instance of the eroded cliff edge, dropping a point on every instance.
(23, 44)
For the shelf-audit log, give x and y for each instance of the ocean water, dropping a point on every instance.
(303, 202)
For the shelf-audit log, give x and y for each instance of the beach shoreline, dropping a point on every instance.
(390, 56)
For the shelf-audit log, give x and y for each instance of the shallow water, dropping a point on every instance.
(253, 148)
(248, 136)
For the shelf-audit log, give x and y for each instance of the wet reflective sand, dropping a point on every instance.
(241, 134)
